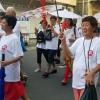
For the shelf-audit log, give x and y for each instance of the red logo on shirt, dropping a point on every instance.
(4, 48)
(90, 53)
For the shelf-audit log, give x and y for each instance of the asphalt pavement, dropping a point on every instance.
(39, 88)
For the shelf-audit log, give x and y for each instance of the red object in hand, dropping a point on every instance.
(67, 72)
(65, 25)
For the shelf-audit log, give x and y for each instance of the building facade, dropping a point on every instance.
(87, 7)
(82, 7)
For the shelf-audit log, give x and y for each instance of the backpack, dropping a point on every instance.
(40, 37)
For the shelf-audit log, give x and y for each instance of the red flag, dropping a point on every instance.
(43, 10)
(43, 2)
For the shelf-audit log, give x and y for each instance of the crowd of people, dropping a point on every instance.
(79, 47)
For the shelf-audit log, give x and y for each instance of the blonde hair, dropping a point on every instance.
(11, 11)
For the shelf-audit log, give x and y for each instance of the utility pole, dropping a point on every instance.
(89, 7)
(83, 8)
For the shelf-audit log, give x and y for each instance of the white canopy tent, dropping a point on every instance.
(37, 12)
(97, 16)
(1, 7)
(65, 14)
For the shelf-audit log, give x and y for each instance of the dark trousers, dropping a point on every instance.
(58, 51)
(41, 51)
(51, 55)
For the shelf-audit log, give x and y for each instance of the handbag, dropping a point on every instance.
(48, 34)
(90, 90)
(40, 37)
(89, 93)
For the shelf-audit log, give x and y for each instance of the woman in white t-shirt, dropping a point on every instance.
(40, 47)
(70, 35)
(85, 50)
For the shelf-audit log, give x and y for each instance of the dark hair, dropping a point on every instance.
(2, 14)
(53, 17)
(11, 20)
(71, 21)
(60, 18)
(43, 21)
(92, 20)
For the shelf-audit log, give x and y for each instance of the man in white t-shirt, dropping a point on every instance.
(11, 47)
(52, 46)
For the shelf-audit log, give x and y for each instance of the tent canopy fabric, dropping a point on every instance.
(65, 14)
(37, 12)
(1, 8)
(97, 16)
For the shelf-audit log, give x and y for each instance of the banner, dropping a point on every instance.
(43, 10)
(70, 2)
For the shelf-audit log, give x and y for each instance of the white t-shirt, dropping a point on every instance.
(40, 45)
(69, 34)
(79, 32)
(1, 32)
(79, 66)
(53, 44)
(17, 29)
(13, 50)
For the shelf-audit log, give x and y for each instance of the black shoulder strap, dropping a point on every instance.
(75, 32)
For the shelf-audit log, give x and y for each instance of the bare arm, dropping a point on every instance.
(90, 74)
(55, 34)
(66, 51)
(5, 63)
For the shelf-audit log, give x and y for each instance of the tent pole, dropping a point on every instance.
(57, 14)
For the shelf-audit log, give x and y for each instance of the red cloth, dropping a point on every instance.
(65, 24)
(14, 90)
(43, 9)
(67, 72)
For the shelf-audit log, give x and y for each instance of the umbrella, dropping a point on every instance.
(65, 14)
(37, 12)
(97, 16)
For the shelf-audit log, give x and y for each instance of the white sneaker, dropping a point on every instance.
(37, 70)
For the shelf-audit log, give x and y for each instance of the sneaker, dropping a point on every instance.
(53, 71)
(57, 61)
(24, 79)
(45, 75)
(37, 70)
(63, 82)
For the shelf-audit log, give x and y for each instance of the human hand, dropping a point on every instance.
(4, 63)
(89, 77)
